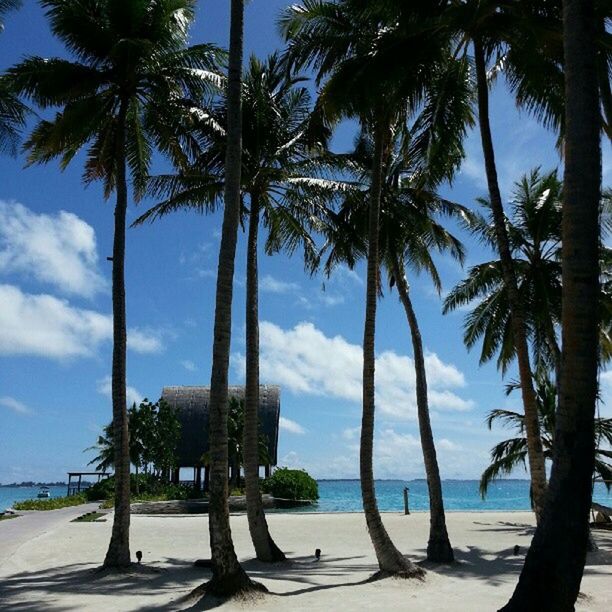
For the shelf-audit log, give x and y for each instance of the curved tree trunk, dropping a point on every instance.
(534, 442)
(439, 548)
(118, 553)
(265, 548)
(553, 568)
(228, 576)
(390, 560)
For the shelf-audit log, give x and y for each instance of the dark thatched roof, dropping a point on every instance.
(192, 411)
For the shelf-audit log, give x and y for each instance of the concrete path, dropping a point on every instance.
(30, 525)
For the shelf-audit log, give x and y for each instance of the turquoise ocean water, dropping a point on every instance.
(345, 495)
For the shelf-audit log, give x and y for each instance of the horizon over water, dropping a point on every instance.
(345, 495)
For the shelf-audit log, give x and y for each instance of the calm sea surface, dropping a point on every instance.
(345, 495)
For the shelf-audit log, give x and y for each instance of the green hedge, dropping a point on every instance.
(291, 484)
(149, 488)
(52, 503)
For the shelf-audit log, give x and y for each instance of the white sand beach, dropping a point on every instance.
(54, 569)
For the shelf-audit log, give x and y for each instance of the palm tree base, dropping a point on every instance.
(439, 550)
(229, 585)
(269, 552)
(117, 558)
(273, 555)
(411, 571)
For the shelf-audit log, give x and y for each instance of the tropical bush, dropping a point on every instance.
(143, 487)
(291, 484)
(53, 503)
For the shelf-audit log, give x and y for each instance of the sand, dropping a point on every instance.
(54, 570)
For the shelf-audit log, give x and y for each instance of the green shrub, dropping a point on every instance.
(149, 489)
(291, 484)
(50, 504)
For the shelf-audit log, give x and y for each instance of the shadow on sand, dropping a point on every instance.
(299, 575)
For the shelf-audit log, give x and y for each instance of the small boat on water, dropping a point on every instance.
(44, 493)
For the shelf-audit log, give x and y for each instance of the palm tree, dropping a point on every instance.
(131, 70)
(553, 568)
(534, 230)
(509, 454)
(534, 240)
(228, 576)
(12, 110)
(485, 25)
(354, 47)
(283, 181)
(409, 232)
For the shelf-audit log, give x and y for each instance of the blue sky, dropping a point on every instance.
(55, 324)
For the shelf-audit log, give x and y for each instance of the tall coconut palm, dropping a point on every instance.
(485, 24)
(131, 69)
(553, 568)
(283, 179)
(12, 110)
(409, 233)
(228, 576)
(354, 47)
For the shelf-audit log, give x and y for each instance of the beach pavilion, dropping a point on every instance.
(191, 404)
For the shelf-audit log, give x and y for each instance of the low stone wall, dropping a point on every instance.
(237, 503)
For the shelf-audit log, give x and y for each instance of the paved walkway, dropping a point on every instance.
(30, 525)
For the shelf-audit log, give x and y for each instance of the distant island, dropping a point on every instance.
(29, 483)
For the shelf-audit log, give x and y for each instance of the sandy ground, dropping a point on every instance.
(55, 569)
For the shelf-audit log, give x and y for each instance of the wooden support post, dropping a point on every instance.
(198, 478)
(69, 481)
(206, 478)
(406, 507)
(176, 476)
(267, 470)
(79, 485)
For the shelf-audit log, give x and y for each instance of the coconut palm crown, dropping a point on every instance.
(509, 454)
(129, 75)
(12, 110)
(534, 231)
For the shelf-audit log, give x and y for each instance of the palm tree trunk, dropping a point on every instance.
(390, 560)
(118, 553)
(551, 576)
(604, 84)
(228, 576)
(265, 547)
(534, 442)
(439, 549)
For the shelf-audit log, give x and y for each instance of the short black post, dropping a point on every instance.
(406, 507)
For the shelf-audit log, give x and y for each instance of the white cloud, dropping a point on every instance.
(332, 299)
(397, 455)
(58, 249)
(449, 445)
(350, 433)
(15, 405)
(306, 361)
(144, 340)
(189, 365)
(291, 426)
(46, 326)
(270, 284)
(105, 387)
